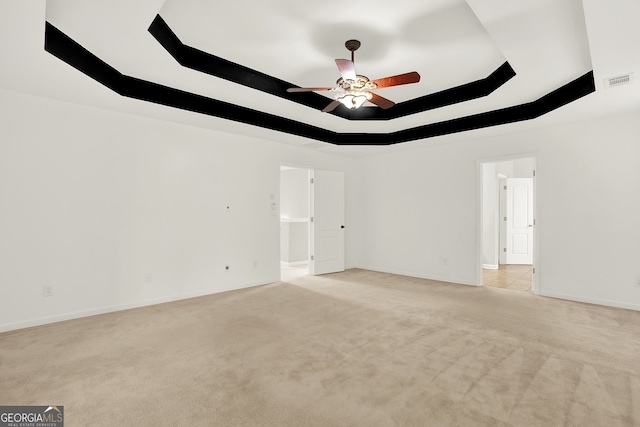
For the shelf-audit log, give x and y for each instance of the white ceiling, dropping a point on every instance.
(449, 42)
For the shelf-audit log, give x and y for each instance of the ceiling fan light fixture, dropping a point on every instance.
(355, 89)
(354, 100)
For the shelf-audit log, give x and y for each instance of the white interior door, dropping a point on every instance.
(519, 227)
(327, 226)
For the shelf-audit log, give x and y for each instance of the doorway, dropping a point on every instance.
(295, 205)
(312, 227)
(507, 223)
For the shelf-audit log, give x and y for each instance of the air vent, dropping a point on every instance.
(618, 81)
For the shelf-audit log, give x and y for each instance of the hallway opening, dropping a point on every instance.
(507, 223)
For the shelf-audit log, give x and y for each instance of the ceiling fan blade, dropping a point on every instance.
(381, 102)
(331, 106)
(347, 69)
(400, 79)
(309, 89)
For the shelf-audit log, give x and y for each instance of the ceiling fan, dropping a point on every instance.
(355, 89)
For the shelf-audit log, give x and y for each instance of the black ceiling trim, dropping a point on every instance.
(63, 47)
(204, 62)
(466, 92)
(210, 64)
(566, 94)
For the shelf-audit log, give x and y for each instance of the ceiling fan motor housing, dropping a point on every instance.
(352, 45)
(360, 83)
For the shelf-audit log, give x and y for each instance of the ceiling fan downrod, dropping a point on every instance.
(352, 46)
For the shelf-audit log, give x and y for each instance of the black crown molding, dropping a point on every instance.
(60, 45)
(204, 62)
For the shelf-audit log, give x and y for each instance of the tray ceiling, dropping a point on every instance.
(451, 43)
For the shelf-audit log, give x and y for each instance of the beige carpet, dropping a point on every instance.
(351, 349)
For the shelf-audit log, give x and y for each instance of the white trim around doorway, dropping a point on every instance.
(535, 285)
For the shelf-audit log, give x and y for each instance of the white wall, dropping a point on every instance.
(522, 168)
(294, 190)
(422, 207)
(92, 200)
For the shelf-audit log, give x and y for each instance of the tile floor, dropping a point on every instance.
(509, 276)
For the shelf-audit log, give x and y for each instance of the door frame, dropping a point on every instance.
(535, 285)
(501, 227)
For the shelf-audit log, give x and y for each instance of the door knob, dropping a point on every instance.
(342, 226)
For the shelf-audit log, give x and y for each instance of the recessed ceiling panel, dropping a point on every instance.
(298, 41)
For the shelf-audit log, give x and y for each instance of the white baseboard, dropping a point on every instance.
(400, 272)
(490, 266)
(120, 307)
(114, 308)
(596, 301)
(293, 264)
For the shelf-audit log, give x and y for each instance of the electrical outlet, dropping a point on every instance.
(47, 291)
(255, 263)
(638, 281)
(148, 278)
(444, 261)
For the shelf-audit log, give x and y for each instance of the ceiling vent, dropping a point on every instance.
(618, 81)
